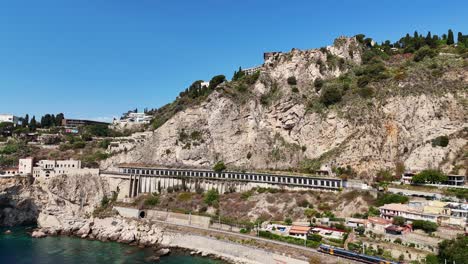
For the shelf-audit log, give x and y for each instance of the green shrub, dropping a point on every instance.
(423, 53)
(9, 148)
(153, 200)
(330, 96)
(104, 201)
(366, 92)
(441, 141)
(318, 84)
(244, 231)
(216, 80)
(292, 80)
(303, 203)
(384, 176)
(427, 226)
(104, 144)
(211, 197)
(294, 90)
(184, 197)
(388, 198)
(315, 237)
(398, 220)
(219, 166)
(241, 88)
(246, 195)
(79, 145)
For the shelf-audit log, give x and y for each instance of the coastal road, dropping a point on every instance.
(293, 246)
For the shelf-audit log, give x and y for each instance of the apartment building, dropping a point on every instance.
(51, 168)
(442, 213)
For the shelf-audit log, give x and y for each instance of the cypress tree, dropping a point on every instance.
(26, 120)
(450, 40)
(460, 37)
(428, 38)
(33, 124)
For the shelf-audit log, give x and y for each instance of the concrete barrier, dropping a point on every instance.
(127, 212)
(175, 218)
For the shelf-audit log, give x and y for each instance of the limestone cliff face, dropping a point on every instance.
(282, 132)
(64, 197)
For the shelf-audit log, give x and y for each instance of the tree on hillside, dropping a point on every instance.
(33, 124)
(450, 40)
(211, 197)
(25, 121)
(460, 37)
(398, 220)
(454, 251)
(58, 119)
(238, 74)
(429, 176)
(47, 121)
(216, 80)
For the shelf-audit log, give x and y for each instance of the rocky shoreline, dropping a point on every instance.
(120, 230)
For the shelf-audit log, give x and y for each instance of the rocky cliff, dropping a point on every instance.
(279, 123)
(23, 202)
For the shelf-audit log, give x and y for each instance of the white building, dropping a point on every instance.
(434, 211)
(4, 118)
(250, 71)
(50, 168)
(8, 172)
(134, 118)
(25, 166)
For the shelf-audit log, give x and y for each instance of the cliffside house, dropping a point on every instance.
(51, 168)
(300, 231)
(250, 71)
(378, 224)
(356, 222)
(134, 118)
(442, 213)
(24, 168)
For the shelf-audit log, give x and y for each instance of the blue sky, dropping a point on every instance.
(98, 58)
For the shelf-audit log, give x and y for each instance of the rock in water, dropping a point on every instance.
(38, 234)
(163, 252)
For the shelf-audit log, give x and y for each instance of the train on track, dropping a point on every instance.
(340, 252)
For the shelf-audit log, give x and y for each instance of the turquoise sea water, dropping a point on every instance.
(18, 247)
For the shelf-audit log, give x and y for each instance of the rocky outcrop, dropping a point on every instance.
(17, 206)
(367, 135)
(22, 200)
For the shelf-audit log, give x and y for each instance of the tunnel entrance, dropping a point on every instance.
(142, 214)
